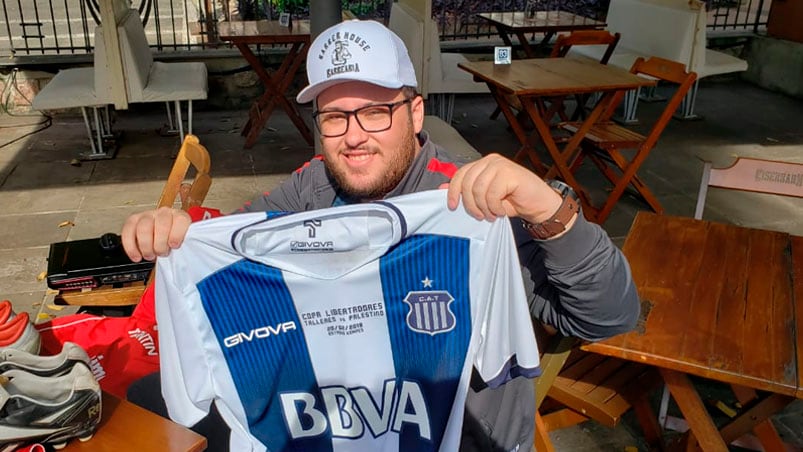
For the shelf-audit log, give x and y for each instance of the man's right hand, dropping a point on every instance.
(154, 233)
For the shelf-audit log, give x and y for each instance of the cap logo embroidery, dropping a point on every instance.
(341, 53)
(340, 57)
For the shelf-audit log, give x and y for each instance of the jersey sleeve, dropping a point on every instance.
(507, 346)
(185, 377)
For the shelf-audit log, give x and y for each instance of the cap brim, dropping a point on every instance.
(309, 93)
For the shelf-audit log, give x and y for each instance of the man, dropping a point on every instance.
(370, 122)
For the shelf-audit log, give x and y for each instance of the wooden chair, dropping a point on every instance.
(595, 387)
(191, 154)
(754, 175)
(555, 352)
(563, 44)
(604, 143)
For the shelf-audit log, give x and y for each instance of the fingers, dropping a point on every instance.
(154, 233)
(484, 187)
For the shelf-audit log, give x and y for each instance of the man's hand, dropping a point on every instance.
(154, 233)
(495, 186)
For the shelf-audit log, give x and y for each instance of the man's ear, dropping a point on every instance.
(417, 109)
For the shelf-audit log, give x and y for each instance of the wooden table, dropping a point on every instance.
(541, 78)
(547, 22)
(721, 302)
(128, 427)
(244, 34)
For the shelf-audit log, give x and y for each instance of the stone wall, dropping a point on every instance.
(775, 64)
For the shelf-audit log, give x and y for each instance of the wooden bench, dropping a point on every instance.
(670, 29)
(450, 139)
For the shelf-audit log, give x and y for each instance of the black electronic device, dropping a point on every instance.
(92, 263)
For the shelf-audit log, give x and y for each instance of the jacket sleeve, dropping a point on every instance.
(580, 283)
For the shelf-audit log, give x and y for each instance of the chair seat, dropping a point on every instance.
(720, 63)
(70, 88)
(608, 135)
(175, 81)
(598, 387)
(451, 79)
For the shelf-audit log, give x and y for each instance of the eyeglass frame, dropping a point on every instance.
(390, 106)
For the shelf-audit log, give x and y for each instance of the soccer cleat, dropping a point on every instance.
(44, 366)
(19, 333)
(48, 410)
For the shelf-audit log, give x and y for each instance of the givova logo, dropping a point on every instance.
(350, 411)
(261, 332)
(306, 246)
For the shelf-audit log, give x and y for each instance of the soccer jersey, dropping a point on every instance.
(353, 328)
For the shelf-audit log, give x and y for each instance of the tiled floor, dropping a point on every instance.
(45, 197)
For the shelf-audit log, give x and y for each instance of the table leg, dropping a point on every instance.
(275, 86)
(756, 418)
(690, 404)
(504, 36)
(527, 150)
(563, 160)
(529, 52)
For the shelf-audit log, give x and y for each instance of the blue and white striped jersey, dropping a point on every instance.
(353, 328)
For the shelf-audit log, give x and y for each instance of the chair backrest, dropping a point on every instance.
(192, 153)
(585, 38)
(664, 28)
(109, 71)
(136, 55)
(408, 24)
(665, 71)
(754, 175)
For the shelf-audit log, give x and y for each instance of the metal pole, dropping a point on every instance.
(322, 15)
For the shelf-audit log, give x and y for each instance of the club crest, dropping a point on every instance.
(430, 311)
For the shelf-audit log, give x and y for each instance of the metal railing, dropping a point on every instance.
(51, 28)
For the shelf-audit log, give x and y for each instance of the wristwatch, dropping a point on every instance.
(556, 224)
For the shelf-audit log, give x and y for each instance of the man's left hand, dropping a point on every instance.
(495, 186)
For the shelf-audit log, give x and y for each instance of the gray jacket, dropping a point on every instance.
(579, 283)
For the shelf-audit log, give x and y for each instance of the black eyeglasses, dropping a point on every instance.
(371, 118)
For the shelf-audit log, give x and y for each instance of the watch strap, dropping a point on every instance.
(555, 224)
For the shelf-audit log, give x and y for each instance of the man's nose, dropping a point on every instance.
(355, 134)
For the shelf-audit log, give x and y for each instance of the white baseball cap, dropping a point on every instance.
(357, 50)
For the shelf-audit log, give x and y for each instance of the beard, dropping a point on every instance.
(383, 183)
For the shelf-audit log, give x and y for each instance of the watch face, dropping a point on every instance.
(561, 187)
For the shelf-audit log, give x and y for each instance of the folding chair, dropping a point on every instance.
(191, 154)
(563, 44)
(604, 143)
(753, 175)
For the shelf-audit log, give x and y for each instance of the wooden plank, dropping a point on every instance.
(797, 291)
(542, 441)
(767, 293)
(694, 411)
(669, 290)
(103, 296)
(127, 427)
(554, 76)
(756, 415)
(707, 286)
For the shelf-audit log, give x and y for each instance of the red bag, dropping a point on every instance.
(120, 349)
